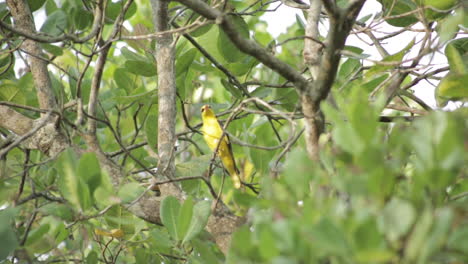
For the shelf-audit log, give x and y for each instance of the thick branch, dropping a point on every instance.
(312, 49)
(95, 84)
(336, 38)
(323, 69)
(248, 46)
(43, 38)
(165, 57)
(14, 121)
(24, 21)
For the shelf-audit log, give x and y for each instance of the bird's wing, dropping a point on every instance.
(228, 143)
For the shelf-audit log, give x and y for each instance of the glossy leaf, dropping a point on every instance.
(229, 51)
(453, 87)
(9, 241)
(130, 191)
(35, 4)
(170, 208)
(142, 68)
(185, 217)
(184, 61)
(89, 171)
(201, 212)
(457, 55)
(231, 89)
(401, 10)
(450, 25)
(56, 23)
(73, 188)
(397, 218)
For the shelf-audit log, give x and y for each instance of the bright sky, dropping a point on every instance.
(285, 16)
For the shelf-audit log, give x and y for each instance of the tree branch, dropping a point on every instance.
(312, 49)
(19, 140)
(165, 58)
(14, 121)
(246, 45)
(24, 21)
(44, 38)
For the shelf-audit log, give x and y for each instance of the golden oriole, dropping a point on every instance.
(212, 132)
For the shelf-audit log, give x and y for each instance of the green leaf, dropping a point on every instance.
(398, 8)
(184, 61)
(56, 23)
(130, 192)
(397, 218)
(72, 187)
(82, 18)
(201, 30)
(123, 80)
(36, 234)
(92, 258)
(365, 18)
(448, 27)
(441, 227)
(347, 69)
(58, 210)
(60, 233)
(151, 131)
(267, 247)
(10, 92)
(194, 167)
(329, 238)
(52, 49)
(50, 7)
(142, 68)
(138, 95)
(35, 4)
(436, 9)
(343, 134)
(209, 41)
(418, 237)
(201, 213)
(374, 256)
(90, 171)
(242, 67)
(170, 208)
(130, 55)
(368, 236)
(457, 55)
(161, 241)
(207, 252)
(114, 8)
(227, 49)
(241, 242)
(453, 87)
(6, 61)
(458, 240)
(298, 173)
(185, 217)
(395, 58)
(231, 89)
(9, 241)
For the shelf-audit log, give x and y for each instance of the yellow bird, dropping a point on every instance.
(212, 132)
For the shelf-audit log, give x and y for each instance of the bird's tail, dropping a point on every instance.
(236, 179)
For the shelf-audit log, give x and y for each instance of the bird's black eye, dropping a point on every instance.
(203, 109)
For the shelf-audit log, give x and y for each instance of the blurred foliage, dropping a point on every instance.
(382, 193)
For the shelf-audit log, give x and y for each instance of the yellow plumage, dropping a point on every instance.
(212, 132)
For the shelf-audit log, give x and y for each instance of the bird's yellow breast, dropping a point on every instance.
(212, 131)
